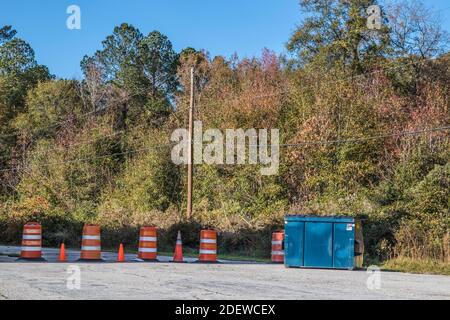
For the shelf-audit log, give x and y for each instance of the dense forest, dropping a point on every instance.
(363, 116)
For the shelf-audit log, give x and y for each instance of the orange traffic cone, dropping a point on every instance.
(121, 255)
(62, 253)
(178, 255)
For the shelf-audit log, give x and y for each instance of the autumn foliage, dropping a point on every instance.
(364, 138)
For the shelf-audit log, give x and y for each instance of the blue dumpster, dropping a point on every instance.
(323, 242)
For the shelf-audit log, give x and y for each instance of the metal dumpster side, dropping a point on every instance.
(322, 242)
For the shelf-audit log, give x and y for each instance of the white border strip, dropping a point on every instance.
(208, 251)
(30, 237)
(91, 248)
(87, 237)
(208, 241)
(148, 239)
(31, 249)
(147, 250)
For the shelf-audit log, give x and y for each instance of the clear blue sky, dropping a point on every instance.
(219, 26)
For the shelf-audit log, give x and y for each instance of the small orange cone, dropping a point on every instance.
(62, 253)
(121, 255)
(178, 255)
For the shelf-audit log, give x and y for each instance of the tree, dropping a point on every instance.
(416, 37)
(415, 31)
(16, 56)
(141, 69)
(120, 51)
(117, 64)
(6, 33)
(48, 104)
(94, 91)
(159, 63)
(19, 72)
(335, 32)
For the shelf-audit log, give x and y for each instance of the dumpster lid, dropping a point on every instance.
(317, 218)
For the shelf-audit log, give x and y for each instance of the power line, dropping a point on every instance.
(381, 136)
(97, 157)
(56, 124)
(254, 97)
(76, 117)
(69, 146)
(82, 143)
(300, 144)
(353, 140)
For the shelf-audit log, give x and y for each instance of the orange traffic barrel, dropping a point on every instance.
(208, 246)
(31, 241)
(91, 243)
(277, 247)
(148, 239)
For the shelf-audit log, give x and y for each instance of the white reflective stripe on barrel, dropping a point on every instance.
(147, 249)
(208, 241)
(147, 238)
(86, 237)
(32, 231)
(208, 251)
(179, 242)
(90, 248)
(28, 237)
(277, 242)
(278, 253)
(31, 248)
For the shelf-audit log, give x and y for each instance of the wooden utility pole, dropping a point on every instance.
(190, 149)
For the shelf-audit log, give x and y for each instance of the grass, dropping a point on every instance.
(193, 253)
(255, 256)
(397, 264)
(13, 255)
(223, 256)
(187, 252)
(416, 266)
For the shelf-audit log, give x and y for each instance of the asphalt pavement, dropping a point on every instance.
(134, 279)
